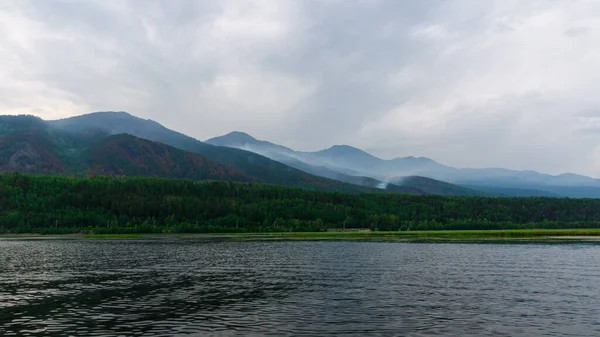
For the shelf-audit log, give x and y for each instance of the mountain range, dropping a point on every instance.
(346, 161)
(117, 143)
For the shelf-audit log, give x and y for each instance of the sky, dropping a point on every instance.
(469, 83)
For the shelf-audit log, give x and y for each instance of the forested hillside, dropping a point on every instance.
(54, 204)
(250, 164)
(126, 155)
(432, 186)
(28, 145)
(91, 145)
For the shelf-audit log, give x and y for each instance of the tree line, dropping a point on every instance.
(57, 204)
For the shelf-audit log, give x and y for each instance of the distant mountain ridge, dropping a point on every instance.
(261, 168)
(341, 171)
(117, 143)
(348, 160)
(340, 158)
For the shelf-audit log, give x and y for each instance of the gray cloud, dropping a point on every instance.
(501, 83)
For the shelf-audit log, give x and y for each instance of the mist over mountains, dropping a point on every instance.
(344, 159)
(117, 143)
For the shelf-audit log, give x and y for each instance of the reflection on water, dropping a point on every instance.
(166, 288)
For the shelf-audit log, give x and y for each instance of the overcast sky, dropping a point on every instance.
(469, 83)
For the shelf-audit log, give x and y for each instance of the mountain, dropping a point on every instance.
(126, 155)
(323, 171)
(116, 143)
(251, 164)
(280, 153)
(37, 148)
(30, 144)
(343, 159)
(432, 186)
(281, 168)
(29, 152)
(289, 157)
(113, 123)
(347, 156)
(244, 141)
(350, 163)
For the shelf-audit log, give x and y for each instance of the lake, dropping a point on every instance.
(223, 288)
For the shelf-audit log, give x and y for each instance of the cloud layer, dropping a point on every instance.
(469, 83)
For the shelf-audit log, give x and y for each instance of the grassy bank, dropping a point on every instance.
(396, 235)
(116, 236)
(509, 233)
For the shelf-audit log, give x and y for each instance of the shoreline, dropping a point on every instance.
(543, 235)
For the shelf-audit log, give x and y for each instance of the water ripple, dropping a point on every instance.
(186, 288)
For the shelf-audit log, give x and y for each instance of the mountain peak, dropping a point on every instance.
(106, 114)
(110, 117)
(344, 150)
(21, 122)
(233, 139)
(240, 137)
(347, 156)
(96, 119)
(115, 113)
(414, 159)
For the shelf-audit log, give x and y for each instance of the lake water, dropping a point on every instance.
(186, 287)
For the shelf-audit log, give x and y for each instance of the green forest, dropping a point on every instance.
(98, 204)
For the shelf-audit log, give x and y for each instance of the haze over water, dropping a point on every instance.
(185, 287)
